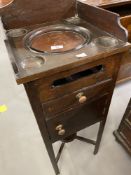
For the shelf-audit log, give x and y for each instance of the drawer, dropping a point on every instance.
(77, 98)
(71, 121)
(126, 133)
(75, 79)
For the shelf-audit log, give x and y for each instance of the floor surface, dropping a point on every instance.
(22, 151)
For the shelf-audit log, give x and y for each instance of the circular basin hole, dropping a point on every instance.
(106, 41)
(57, 41)
(16, 32)
(57, 38)
(32, 62)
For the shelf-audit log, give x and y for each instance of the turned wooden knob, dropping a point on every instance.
(59, 127)
(60, 130)
(81, 97)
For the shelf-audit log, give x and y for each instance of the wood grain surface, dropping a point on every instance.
(25, 12)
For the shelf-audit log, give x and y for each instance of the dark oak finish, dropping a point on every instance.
(68, 92)
(38, 112)
(67, 39)
(125, 13)
(28, 12)
(110, 22)
(75, 116)
(123, 134)
(88, 113)
(65, 102)
(60, 63)
(123, 8)
(47, 92)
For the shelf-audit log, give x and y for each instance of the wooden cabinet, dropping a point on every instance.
(122, 8)
(72, 100)
(125, 13)
(71, 89)
(123, 134)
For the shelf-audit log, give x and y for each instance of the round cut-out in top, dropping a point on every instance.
(106, 42)
(32, 62)
(14, 33)
(58, 41)
(58, 38)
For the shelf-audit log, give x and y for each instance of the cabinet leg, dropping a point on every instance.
(51, 154)
(99, 136)
(38, 111)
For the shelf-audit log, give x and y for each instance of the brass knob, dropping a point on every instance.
(81, 97)
(60, 130)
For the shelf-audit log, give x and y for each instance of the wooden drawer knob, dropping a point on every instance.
(81, 97)
(60, 130)
(59, 127)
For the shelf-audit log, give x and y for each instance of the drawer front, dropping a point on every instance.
(75, 79)
(53, 107)
(126, 134)
(71, 121)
